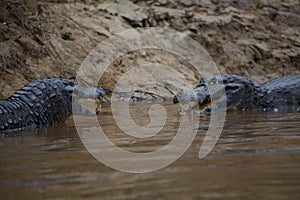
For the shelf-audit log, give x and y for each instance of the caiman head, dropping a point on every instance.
(73, 92)
(224, 92)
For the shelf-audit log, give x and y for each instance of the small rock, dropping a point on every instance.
(163, 2)
(143, 53)
(262, 46)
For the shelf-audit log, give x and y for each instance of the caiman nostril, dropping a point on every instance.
(175, 100)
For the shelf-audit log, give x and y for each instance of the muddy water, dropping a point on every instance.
(256, 157)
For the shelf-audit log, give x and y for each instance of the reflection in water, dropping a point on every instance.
(257, 156)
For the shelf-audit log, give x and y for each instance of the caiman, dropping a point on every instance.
(242, 93)
(43, 102)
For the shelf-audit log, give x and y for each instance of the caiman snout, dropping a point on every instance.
(185, 97)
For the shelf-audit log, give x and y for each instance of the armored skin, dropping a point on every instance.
(242, 93)
(43, 102)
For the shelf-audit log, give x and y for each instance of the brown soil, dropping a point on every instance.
(254, 38)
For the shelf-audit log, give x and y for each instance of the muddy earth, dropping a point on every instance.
(255, 38)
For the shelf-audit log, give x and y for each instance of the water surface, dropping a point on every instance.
(257, 156)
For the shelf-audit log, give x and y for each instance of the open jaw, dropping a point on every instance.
(204, 104)
(195, 100)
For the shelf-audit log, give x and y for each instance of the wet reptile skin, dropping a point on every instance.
(40, 103)
(242, 93)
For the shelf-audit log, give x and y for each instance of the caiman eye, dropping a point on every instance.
(69, 89)
(212, 82)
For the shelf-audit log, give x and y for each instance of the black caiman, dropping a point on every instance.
(242, 93)
(43, 102)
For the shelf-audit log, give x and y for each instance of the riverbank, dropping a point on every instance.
(51, 38)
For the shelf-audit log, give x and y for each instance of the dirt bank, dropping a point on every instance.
(254, 38)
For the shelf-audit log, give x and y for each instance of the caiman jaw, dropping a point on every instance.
(200, 99)
(204, 104)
